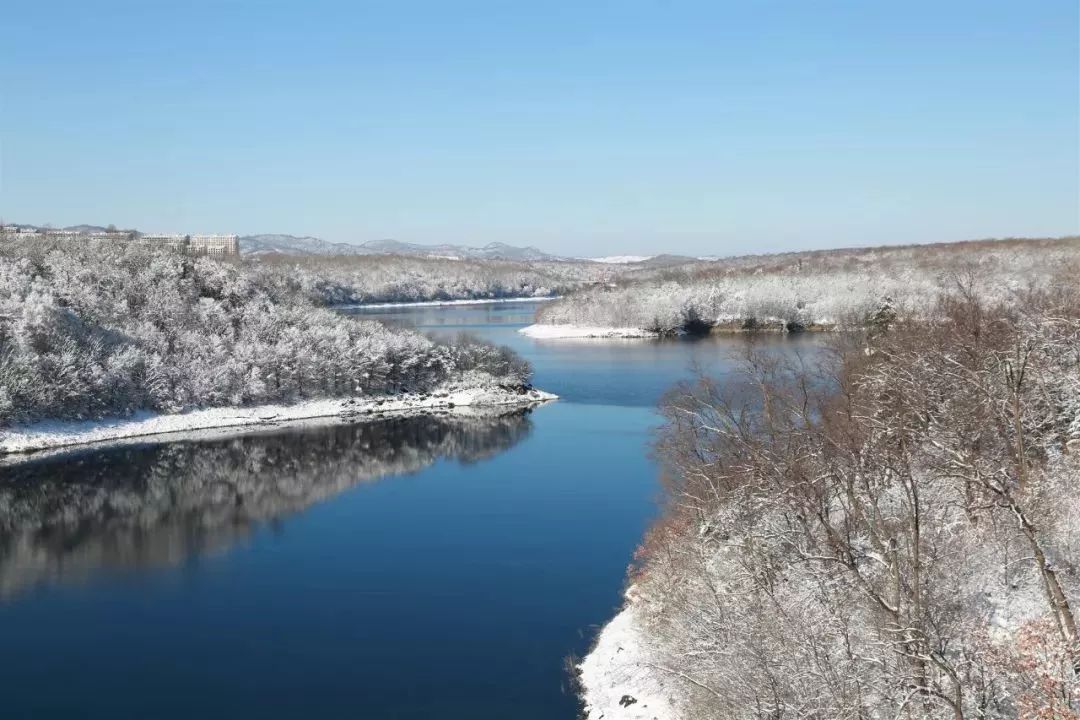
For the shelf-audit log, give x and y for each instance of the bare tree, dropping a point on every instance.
(882, 531)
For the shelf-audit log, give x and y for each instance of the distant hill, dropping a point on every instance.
(491, 251)
(293, 245)
(660, 261)
(86, 228)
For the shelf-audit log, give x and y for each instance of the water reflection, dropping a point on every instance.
(66, 518)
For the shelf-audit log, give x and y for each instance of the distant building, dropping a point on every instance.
(176, 241)
(62, 234)
(214, 244)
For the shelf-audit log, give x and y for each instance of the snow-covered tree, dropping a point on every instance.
(98, 328)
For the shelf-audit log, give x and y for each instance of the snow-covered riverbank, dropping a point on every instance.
(617, 680)
(55, 434)
(443, 303)
(543, 331)
(554, 332)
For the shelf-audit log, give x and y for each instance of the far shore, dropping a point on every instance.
(443, 303)
(542, 331)
(24, 442)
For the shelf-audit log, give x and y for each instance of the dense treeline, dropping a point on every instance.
(98, 328)
(886, 532)
(362, 279)
(803, 290)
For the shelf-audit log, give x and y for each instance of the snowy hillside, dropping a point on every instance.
(307, 245)
(107, 330)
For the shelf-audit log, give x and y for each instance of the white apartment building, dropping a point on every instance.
(214, 244)
(174, 240)
(62, 234)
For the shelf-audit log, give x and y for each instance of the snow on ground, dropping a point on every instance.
(62, 433)
(550, 332)
(441, 303)
(616, 672)
(621, 259)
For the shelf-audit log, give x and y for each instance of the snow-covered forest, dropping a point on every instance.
(365, 279)
(100, 328)
(810, 289)
(887, 530)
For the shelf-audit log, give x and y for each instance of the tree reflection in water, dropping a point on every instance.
(64, 518)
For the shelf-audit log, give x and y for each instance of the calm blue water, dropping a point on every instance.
(412, 568)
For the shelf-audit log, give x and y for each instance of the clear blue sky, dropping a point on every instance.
(580, 127)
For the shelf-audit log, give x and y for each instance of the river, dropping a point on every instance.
(409, 568)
